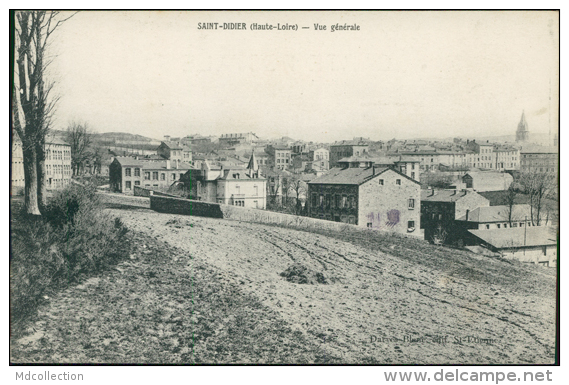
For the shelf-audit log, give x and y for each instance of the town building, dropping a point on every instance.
(226, 140)
(127, 172)
(280, 156)
(496, 217)
(441, 208)
(175, 151)
(58, 170)
(237, 187)
(507, 158)
(345, 149)
(17, 178)
(487, 180)
(374, 197)
(539, 159)
(536, 245)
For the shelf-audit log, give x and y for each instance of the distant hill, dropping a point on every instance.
(124, 138)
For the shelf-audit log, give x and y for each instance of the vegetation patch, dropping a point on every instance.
(299, 273)
(75, 238)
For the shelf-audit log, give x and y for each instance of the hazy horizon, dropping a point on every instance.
(404, 74)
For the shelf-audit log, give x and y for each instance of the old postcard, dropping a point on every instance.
(287, 187)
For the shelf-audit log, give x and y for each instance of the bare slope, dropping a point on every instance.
(379, 293)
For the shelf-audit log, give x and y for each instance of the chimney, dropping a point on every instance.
(467, 212)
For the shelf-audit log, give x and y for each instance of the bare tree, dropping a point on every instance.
(33, 103)
(298, 186)
(79, 137)
(509, 201)
(538, 186)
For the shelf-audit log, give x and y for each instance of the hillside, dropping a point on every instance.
(381, 299)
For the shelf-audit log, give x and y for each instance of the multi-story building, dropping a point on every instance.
(345, 149)
(507, 158)
(320, 154)
(175, 151)
(539, 159)
(18, 179)
(237, 187)
(127, 172)
(57, 163)
(280, 156)
(58, 170)
(374, 197)
(441, 208)
(233, 139)
(496, 217)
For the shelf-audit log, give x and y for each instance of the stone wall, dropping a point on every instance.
(172, 205)
(144, 192)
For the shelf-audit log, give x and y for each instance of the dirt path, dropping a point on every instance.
(379, 300)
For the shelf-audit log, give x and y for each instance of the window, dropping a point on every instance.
(128, 185)
(147, 176)
(487, 227)
(498, 225)
(162, 176)
(137, 183)
(136, 172)
(314, 200)
(413, 175)
(369, 225)
(127, 172)
(344, 202)
(155, 175)
(505, 225)
(410, 226)
(256, 191)
(381, 182)
(398, 182)
(514, 225)
(174, 176)
(411, 204)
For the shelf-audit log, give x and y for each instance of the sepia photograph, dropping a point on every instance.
(284, 188)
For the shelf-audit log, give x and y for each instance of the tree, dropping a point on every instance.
(298, 186)
(538, 186)
(509, 201)
(33, 103)
(79, 137)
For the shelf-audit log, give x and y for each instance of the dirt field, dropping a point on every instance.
(393, 304)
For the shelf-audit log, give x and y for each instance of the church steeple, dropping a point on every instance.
(522, 134)
(253, 167)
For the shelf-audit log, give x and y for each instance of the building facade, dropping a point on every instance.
(374, 197)
(58, 170)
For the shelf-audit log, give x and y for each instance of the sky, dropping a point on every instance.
(403, 74)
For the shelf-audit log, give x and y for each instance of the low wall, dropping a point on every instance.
(127, 200)
(216, 210)
(174, 205)
(144, 192)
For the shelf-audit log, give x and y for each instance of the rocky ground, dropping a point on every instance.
(394, 303)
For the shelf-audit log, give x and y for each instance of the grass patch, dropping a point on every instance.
(73, 239)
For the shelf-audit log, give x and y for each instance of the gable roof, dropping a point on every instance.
(498, 214)
(126, 161)
(518, 237)
(354, 175)
(446, 195)
(172, 145)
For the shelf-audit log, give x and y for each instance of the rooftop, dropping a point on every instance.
(445, 195)
(498, 214)
(518, 237)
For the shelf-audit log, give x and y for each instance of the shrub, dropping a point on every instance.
(73, 239)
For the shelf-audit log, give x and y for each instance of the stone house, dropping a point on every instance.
(345, 149)
(175, 151)
(496, 217)
(237, 187)
(127, 172)
(441, 208)
(374, 197)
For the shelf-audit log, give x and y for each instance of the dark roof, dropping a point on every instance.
(237, 175)
(518, 237)
(126, 161)
(498, 214)
(446, 195)
(354, 175)
(351, 143)
(172, 145)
